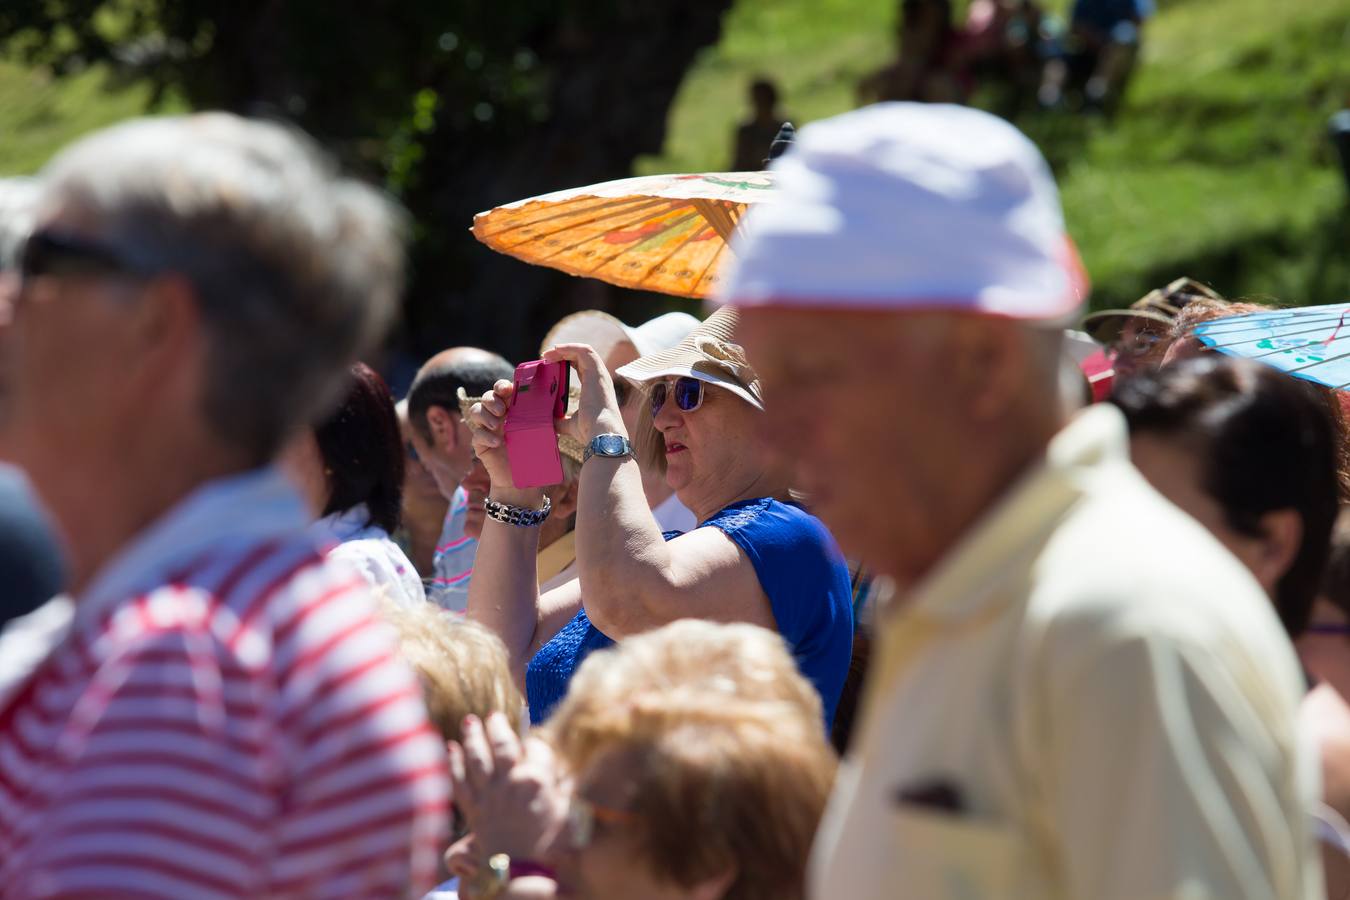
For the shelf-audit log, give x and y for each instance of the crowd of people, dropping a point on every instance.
(848, 590)
(1019, 47)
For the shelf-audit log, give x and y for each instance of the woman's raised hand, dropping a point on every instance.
(486, 420)
(598, 409)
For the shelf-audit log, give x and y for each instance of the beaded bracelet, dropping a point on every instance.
(519, 516)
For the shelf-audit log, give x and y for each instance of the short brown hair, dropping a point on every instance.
(728, 743)
(463, 667)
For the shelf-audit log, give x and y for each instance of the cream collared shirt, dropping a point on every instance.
(1104, 693)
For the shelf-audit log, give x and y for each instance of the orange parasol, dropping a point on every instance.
(666, 233)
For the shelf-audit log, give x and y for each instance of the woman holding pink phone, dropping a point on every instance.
(756, 556)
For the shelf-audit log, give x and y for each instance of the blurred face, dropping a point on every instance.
(630, 399)
(1325, 647)
(418, 483)
(1141, 346)
(601, 857)
(70, 351)
(856, 403)
(711, 451)
(438, 457)
(476, 484)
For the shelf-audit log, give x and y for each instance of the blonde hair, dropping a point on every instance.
(462, 665)
(727, 743)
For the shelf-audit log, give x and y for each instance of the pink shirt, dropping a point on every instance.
(223, 718)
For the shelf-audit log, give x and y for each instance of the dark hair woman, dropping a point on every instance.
(1250, 452)
(350, 469)
(1253, 454)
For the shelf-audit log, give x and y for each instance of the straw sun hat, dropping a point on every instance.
(708, 353)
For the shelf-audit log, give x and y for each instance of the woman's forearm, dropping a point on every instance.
(622, 560)
(504, 589)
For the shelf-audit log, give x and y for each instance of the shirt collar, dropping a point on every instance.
(967, 580)
(260, 504)
(346, 525)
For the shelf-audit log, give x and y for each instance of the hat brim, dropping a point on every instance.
(704, 371)
(1105, 326)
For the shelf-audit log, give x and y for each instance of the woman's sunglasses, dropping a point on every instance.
(688, 394)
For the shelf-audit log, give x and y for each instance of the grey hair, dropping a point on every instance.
(297, 269)
(18, 207)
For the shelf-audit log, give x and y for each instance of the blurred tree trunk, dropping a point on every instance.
(457, 107)
(612, 88)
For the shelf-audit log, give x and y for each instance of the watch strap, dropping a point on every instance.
(596, 447)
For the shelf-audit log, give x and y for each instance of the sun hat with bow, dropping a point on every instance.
(708, 353)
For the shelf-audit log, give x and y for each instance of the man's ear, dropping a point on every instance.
(164, 323)
(443, 428)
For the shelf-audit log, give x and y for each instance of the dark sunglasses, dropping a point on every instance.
(688, 394)
(55, 253)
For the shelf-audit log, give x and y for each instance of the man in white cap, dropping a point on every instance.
(1059, 709)
(619, 344)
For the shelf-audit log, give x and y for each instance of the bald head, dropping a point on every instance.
(439, 379)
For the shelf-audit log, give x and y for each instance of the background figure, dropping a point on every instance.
(424, 508)
(349, 468)
(750, 143)
(619, 344)
(30, 561)
(1099, 53)
(691, 766)
(208, 280)
(1153, 708)
(1255, 456)
(928, 52)
(1324, 648)
(1137, 338)
(442, 443)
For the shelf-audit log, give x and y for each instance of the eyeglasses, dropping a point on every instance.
(49, 252)
(622, 391)
(688, 394)
(1342, 628)
(582, 816)
(1135, 345)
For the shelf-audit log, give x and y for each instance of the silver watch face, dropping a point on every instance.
(610, 445)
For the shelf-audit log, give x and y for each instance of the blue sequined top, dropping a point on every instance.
(802, 573)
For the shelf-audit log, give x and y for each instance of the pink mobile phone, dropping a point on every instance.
(531, 435)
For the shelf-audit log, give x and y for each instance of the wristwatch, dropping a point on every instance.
(613, 446)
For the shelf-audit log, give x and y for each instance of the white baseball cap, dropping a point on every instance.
(603, 332)
(907, 206)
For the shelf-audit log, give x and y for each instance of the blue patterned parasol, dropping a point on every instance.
(1312, 342)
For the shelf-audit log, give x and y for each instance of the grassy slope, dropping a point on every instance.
(1218, 165)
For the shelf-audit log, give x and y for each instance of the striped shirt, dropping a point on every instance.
(223, 718)
(453, 563)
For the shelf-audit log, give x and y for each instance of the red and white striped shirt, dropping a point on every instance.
(224, 718)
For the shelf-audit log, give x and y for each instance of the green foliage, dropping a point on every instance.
(1217, 165)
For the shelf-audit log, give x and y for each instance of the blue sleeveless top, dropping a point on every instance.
(800, 570)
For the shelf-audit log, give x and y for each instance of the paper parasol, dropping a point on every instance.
(1312, 342)
(666, 233)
